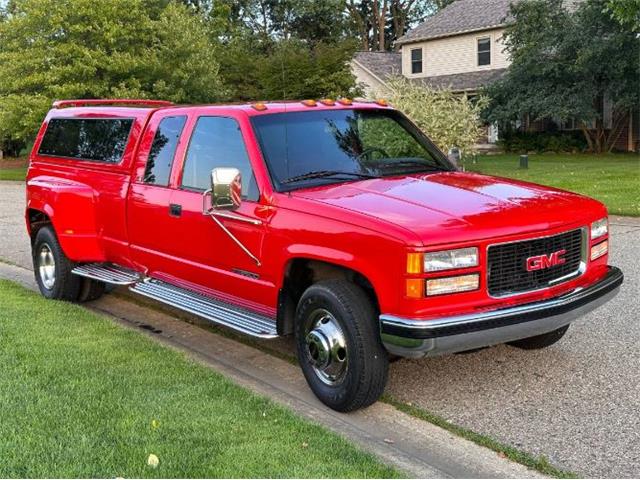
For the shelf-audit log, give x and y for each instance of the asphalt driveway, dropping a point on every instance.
(577, 402)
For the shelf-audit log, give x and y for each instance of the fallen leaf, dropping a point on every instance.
(305, 444)
(388, 440)
(153, 461)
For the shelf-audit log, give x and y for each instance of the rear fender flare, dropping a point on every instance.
(71, 207)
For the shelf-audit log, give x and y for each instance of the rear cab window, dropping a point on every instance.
(89, 139)
(98, 138)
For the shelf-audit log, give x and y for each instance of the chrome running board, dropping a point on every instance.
(215, 311)
(108, 273)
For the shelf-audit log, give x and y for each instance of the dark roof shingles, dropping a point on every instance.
(467, 16)
(381, 64)
(460, 82)
(461, 16)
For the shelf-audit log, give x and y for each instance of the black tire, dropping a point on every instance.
(540, 341)
(364, 377)
(91, 290)
(62, 285)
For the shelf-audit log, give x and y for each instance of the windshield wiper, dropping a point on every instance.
(326, 174)
(421, 166)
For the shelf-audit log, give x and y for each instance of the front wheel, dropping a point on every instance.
(339, 346)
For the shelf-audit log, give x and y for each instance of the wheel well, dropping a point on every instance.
(300, 274)
(37, 220)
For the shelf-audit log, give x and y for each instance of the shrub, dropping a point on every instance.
(449, 119)
(540, 142)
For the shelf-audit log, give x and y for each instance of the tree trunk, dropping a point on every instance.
(379, 21)
(382, 21)
(616, 131)
(587, 136)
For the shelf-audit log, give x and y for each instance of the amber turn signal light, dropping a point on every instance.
(414, 287)
(414, 263)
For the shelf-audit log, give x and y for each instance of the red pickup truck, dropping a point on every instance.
(338, 222)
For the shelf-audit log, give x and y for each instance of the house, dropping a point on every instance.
(461, 48)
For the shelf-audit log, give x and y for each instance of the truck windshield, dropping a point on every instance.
(304, 149)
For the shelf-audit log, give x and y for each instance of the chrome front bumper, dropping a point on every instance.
(418, 338)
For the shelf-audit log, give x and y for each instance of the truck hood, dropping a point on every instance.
(457, 207)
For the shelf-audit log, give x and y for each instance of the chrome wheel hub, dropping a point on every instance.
(326, 347)
(46, 266)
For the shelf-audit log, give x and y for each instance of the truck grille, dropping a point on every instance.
(507, 270)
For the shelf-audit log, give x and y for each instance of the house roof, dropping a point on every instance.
(461, 82)
(464, 16)
(381, 64)
(459, 17)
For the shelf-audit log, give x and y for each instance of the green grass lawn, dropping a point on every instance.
(13, 173)
(613, 179)
(13, 168)
(83, 397)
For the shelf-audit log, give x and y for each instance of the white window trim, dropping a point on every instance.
(421, 73)
(491, 51)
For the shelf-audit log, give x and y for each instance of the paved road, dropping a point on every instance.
(577, 402)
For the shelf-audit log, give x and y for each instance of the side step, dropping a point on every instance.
(108, 273)
(215, 311)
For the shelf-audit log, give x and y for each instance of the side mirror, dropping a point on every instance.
(226, 188)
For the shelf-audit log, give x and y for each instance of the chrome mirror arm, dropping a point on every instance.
(210, 211)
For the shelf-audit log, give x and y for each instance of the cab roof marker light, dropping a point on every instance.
(329, 102)
(309, 103)
(382, 102)
(345, 101)
(259, 106)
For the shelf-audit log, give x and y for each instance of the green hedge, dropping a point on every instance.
(539, 142)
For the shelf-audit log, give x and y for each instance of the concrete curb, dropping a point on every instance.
(416, 447)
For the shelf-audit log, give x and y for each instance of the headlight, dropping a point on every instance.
(464, 283)
(599, 228)
(450, 259)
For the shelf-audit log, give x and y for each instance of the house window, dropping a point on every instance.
(416, 60)
(484, 51)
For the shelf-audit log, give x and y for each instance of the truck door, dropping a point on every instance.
(150, 219)
(225, 263)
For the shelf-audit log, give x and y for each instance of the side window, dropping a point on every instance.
(96, 140)
(217, 142)
(416, 60)
(163, 150)
(484, 51)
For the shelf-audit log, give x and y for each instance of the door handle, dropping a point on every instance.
(175, 210)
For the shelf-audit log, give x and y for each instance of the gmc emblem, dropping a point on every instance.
(540, 262)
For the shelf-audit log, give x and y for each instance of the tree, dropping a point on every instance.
(288, 69)
(274, 20)
(379, 23)
(285, 49)
(450, 120)
(52, 49)
(627, 12)
(565, 65)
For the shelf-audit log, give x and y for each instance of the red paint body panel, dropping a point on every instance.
(106, 213)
